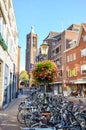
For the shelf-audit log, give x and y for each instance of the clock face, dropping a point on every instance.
(84, 38)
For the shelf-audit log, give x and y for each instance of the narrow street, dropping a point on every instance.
(8, 118)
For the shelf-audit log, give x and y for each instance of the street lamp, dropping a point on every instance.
(44, 51)
(44, 48)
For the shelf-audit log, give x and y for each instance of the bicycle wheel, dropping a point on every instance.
(21, 105)
(27, 120)
(38, 125)
(75, 128)
(82, 121)
(20, 116)
(35, 125)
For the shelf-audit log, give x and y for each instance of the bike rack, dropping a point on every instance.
(26, 128)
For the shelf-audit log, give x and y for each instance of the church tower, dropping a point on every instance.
(31, 50)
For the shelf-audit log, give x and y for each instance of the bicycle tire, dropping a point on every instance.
(27, 120)
(37, 125)
(75, 128)
(20, 116)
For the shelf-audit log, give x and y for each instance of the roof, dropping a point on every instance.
(51, 35)
(74, 27)
(84, 26)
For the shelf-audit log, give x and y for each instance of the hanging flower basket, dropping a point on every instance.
(44, 71)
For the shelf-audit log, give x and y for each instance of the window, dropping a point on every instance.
(57, 50)
(28, 43)
(34, 41)
(68, 59)
(71, 57)
(83, 52)
(58, 62)
(1, 25)
(60, 48)
(6, 76)
(84, 38)
(10, 47)
(75, 29)
(31, 66)
(53, 43)
(74, 56)
(72, 72)
(0, 68)
(72, 44)
(7, 39)
(83, 69)
(53, 53)
(59, 39)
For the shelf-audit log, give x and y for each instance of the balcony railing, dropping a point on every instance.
(56, 55)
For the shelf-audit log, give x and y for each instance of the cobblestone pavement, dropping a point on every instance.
(8, 120)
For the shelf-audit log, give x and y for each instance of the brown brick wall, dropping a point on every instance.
(79, 60)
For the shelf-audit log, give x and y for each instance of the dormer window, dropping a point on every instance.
(84, 38)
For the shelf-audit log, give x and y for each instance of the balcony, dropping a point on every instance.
(56, 55)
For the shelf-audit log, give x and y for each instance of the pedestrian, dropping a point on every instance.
(80, 91)
(84, 92)
(21, 89)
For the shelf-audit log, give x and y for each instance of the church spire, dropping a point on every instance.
(32, 29)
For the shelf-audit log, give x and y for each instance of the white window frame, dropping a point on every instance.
(1, 25)
(74, 56)
(84, 38)
(83, 52)
(71, 58)
(83, 69)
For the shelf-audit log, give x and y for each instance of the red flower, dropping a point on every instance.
(45, 70)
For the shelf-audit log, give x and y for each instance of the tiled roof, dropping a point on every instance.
(51, 35)
(73, 27)
(82, 26)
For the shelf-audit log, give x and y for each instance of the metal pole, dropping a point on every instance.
(45, 101)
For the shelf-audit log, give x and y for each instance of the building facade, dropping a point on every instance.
(70, 34)
(18, 69)
(54, 53)
(8, 53)
(57, 46)
(76, 63)
(68, 50)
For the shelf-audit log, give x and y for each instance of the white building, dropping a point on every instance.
(8, 53)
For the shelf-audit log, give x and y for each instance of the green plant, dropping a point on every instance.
(2, 43)
(44, 71)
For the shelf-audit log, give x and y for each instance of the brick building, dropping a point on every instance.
(57, 45)
(31, 52)
(76, 62)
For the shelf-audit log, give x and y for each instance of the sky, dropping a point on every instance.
(46, 16)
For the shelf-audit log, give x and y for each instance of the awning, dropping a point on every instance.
(69, 82)
(80, 82)
(56, 83)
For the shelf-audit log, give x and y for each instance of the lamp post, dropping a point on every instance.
(44, 48)
(44, 51)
